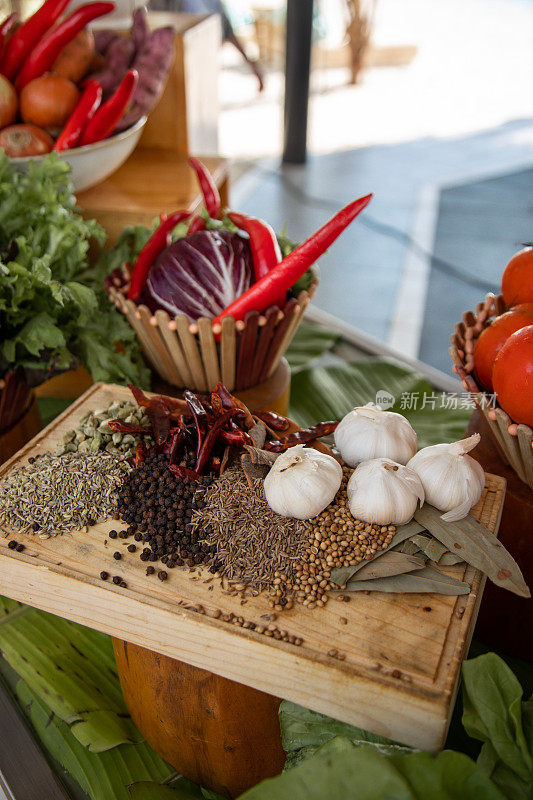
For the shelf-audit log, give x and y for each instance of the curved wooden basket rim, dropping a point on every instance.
(461, 351)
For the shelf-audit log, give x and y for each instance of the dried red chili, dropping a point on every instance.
(301, 437)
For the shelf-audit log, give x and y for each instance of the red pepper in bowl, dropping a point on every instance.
(42, 58)
(71, 134)
(110, 113)
(5, 29)
(264, 245)
(27, 36)
(264, 292)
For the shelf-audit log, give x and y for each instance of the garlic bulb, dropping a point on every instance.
(367, 432)
(384, 492)
(302, 482)
(452, 480)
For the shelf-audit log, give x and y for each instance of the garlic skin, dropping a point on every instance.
(302, 482)
(453, 481)
(367, 432)
(383, 492)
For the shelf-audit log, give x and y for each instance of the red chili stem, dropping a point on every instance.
(183, 472)
(119, 426)
(27, 36)
(301, 437)
(153, 248)
(42, 58)
(111, 112)
(208, 187)
(84, 111)
(264, 292)
(212, 436)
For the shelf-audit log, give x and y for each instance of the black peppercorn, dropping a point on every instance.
(104, 575)
(112, 534)
(150, 570)
(123, 535)
(162, 575)
(117, 556)
(20, 547)
(123, 584)
(12, 544)
(116, 579)
(131, 548)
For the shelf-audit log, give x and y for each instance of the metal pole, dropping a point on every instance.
(297, 69)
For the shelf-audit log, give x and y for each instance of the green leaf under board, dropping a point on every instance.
(331, 392)
(494, 713)
(103, 776)
(477, 546)
(309, 343)
(74, 668)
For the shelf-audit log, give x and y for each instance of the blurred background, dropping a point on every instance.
(426, 103)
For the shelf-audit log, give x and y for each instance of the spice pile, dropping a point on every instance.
(94, 434)
(52, 494)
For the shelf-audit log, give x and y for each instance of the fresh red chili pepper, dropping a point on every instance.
(197, 224)
(264, 292)
(153, 248)
(208, 187)
(263, 242)
(183, 472)
(84, 111)
(212, 436)
(27, 36)
(42, 58)
(273, 420)
(5, 29)
(111, 112)
(300, 437)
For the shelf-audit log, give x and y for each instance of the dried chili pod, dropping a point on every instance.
(140, 454)
(236, 438)
(301, 437)
(273, 420)
(119, 426)
(199, 416)
(212, 437)
(183, 472)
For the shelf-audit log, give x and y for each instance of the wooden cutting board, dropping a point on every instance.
(402, 652)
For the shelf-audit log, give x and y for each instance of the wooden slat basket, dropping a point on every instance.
(188, 354)
(515, 441)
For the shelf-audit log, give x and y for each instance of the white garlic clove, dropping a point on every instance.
(453, 481)
(302, 482)
(383, 492)
(367, 432)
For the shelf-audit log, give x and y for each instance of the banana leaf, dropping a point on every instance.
(320, 393)
(309, 343)
(74, 669)
(103, 776)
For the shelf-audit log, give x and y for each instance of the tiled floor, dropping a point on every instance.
(446, 133)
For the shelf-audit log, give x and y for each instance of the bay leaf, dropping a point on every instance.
(477, 546)
(391, 563)
(427, 580)
(450, 559)
(429, 545)
(340, 575)
(408, 547)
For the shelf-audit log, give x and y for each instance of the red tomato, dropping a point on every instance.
(513, 376)
(493, 337)
(517, 278)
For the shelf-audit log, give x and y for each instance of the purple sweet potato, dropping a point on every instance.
(139, 29)
(103, 38)
(118, 58)
(153, 64)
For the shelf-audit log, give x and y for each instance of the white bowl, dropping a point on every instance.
(93, 163)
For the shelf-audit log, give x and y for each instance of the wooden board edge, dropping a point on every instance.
(347, 695)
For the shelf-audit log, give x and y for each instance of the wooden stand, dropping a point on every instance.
(216, 732)
(505, 621)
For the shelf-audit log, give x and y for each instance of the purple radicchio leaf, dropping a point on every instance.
(200, 275)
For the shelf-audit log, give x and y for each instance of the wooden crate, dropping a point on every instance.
(403, 652)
